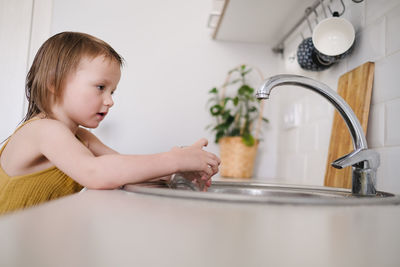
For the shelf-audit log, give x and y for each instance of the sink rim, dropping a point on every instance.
(160, 189)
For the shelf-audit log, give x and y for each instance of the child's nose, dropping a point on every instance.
(108, 101)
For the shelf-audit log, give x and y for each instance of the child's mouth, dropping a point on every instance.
(101, 114)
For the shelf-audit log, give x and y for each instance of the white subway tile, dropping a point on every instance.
(289, 140)
(324, 129)
(387, 79)
(355, 13)
(294, 168)
(308, 138)
(315, 171)
(316, 108)
(392, 30)
(331, 76)
(377, 8)
(376, 126)
(369, 44)
(388, 172)
(392, 131)
(282, 166)
(265, 163)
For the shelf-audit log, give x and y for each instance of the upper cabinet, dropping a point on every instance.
(255, 21)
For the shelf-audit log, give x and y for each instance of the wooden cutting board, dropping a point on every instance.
(355, 87)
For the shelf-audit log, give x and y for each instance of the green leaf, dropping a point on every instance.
(265, 120)
(208, 126)
(226, 99)
(245, 73)
(235, 81)
(253, 109)
(230, 119)
(242, 90)
(236, 101)
(232, 70)
(220, 127)
(218, 136)
(213, 91)
(235, 132)
(248, 139)
(216, 110)
(225, 114)
(245, 90)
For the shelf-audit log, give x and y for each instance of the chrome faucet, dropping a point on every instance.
(364, 161)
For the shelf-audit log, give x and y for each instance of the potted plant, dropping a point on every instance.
(235, 116)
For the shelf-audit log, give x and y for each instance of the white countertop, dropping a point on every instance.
(118, 228)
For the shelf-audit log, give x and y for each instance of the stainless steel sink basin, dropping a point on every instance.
(259, 192)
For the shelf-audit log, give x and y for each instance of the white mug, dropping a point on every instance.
(333, 38)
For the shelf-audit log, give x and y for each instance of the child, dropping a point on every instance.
(70, 84)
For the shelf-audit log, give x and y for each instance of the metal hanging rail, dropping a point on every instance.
(279, 47)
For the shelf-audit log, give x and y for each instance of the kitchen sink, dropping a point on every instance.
(259, 192)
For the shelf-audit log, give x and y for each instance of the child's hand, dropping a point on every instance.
(202, 181)
(197, 164)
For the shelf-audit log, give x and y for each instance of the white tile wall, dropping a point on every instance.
(308, 144)
(393, 23)
(376, 126)
(386, 79)
(314, 167)
(369, 44)
(392, 123)
(378, 8)
(388, 172)
(293, 167)
(378, 40)
(15, 31)
(355, 14)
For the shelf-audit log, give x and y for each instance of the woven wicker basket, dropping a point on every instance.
(237, 159)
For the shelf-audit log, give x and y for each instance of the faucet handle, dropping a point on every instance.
(369, 156)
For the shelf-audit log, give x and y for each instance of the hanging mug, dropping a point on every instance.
(333, 38)
(307, 57)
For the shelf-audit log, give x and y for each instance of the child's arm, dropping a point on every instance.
(59, 145)
(98, 148)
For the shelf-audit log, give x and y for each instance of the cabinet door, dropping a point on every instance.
(15, 28)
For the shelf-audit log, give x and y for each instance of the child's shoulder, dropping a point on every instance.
(44, 126)
(41, 129)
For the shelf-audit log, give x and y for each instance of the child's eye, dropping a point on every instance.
(100, 87)
(112, 92)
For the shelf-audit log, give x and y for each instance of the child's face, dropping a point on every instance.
(87, 95)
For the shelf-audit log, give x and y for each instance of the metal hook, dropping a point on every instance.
(323, 7)
(341, 13)
(308, 12)
(316, 17)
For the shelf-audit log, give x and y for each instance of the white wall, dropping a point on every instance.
(172, 63)
(15, 34)
(302, 150)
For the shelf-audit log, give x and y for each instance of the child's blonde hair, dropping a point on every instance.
(56, 59)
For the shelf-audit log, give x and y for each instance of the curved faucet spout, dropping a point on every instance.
(362, 158)
(356, 131)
